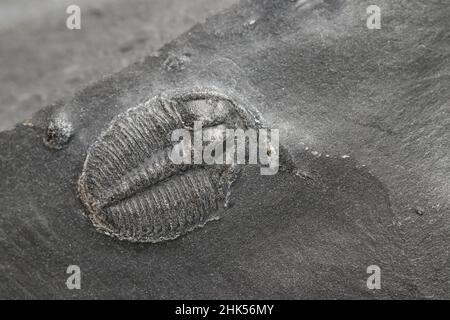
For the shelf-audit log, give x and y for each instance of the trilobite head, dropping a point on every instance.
(134, 191)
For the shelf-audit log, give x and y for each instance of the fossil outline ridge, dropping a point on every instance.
(132, 191)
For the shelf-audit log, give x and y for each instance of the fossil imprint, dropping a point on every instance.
(133, 191)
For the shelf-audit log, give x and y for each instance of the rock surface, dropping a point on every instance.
(364, 113)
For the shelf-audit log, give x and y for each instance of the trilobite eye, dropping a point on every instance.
(130, 187)
(209, 111)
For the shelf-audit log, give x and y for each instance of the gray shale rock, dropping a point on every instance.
(364, 113)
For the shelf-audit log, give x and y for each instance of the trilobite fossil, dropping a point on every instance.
(130, 187)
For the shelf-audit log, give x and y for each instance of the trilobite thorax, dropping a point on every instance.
(131, 188)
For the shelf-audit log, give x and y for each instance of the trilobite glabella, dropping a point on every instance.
(130, 187)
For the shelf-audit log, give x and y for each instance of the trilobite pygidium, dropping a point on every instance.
(133, 191)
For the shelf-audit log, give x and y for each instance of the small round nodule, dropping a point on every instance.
(59, 132)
